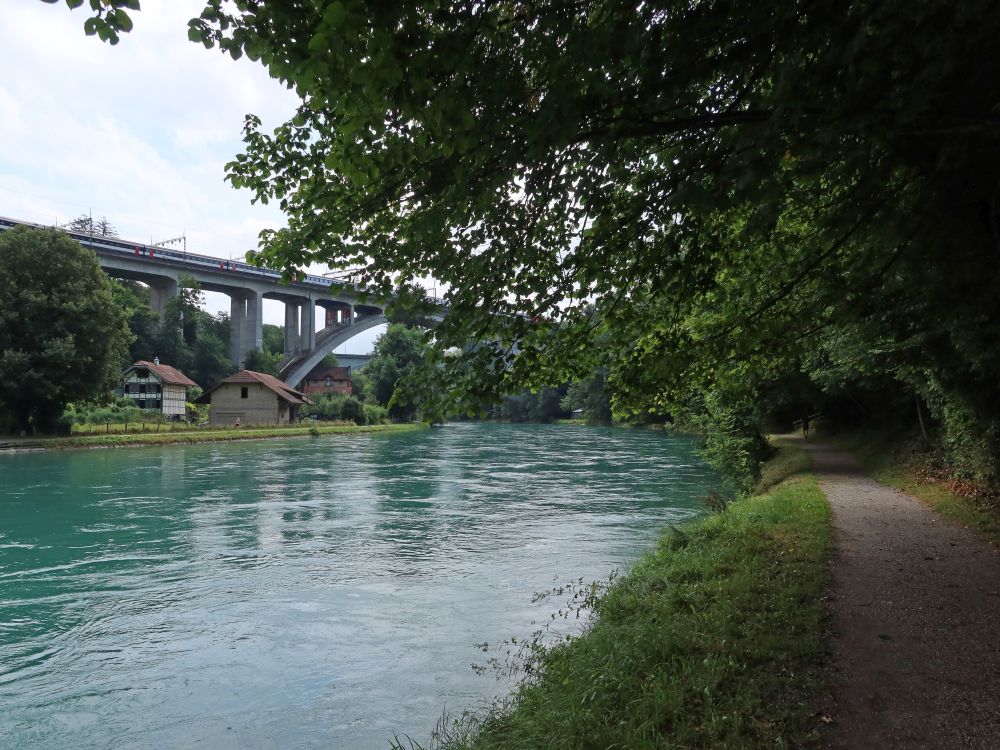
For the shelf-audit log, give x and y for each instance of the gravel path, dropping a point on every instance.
(915, 609)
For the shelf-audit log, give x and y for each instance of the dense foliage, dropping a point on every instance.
(543, 405)
(133, 298)
(192, 339)
(274, 339)
(743, 208)
(62, 338)
(338, 406)
(398, 353)
(591, 396)
(262, 361)
(117, 411)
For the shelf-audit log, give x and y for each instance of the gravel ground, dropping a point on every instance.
(915, 613)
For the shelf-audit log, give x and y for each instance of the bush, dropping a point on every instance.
(328, 406)
(374, 413)
(969, 442)
(737, 454)
(120, 411)
(352, 410)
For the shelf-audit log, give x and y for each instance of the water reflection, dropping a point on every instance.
(309, 593)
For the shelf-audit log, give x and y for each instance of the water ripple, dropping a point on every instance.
(308, 593)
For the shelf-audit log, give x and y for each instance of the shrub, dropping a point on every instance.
(351, 410)
(969, 441)
(374, 413)
(328, 406)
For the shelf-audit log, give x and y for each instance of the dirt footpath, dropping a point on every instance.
(915, 608)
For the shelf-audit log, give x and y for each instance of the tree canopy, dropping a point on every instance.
(186, 337)
(727, 201)
(62, 338)
(398, 353)
(192, 339)
(99, 227)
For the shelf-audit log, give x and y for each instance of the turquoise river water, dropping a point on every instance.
(309, 593)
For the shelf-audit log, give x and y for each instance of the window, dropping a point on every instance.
(244, 392)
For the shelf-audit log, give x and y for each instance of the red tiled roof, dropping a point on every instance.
(335, 373)
(281, 389)
(166, 373)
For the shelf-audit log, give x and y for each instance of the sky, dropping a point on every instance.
(138, 133)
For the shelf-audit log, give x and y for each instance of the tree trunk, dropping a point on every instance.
(920, 418)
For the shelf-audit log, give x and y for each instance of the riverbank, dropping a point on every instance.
(715, 639)
(119, 440)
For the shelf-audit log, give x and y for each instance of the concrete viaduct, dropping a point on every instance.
(246, 286)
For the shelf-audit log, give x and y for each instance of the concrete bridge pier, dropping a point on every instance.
(300, 324)
(293, 343)
(246, 321)
(307, 333)
(162, 289)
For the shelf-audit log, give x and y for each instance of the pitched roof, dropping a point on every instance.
(281, 389)
(337, 373)
(166, 373)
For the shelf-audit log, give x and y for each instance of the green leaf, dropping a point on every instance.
(122, 20)
(334, 14)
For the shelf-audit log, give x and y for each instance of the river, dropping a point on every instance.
(320, 592)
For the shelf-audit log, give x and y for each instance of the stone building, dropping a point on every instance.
(152, 385)
(322, 379)
(252, 398)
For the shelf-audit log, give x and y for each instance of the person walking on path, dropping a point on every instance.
(914, 607)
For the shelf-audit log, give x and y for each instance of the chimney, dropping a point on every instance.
(156, 360)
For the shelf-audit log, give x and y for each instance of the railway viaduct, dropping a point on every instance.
(161, 269)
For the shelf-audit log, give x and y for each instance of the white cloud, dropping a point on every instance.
(139, 133)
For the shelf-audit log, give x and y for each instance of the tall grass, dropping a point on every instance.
(714, 639)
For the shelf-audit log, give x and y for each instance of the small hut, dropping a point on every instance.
(252, 398)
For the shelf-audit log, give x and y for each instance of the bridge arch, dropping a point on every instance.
(295, 371)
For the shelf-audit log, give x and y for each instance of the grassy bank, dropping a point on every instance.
(113, 440)
(715, 639)
(878, 453)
